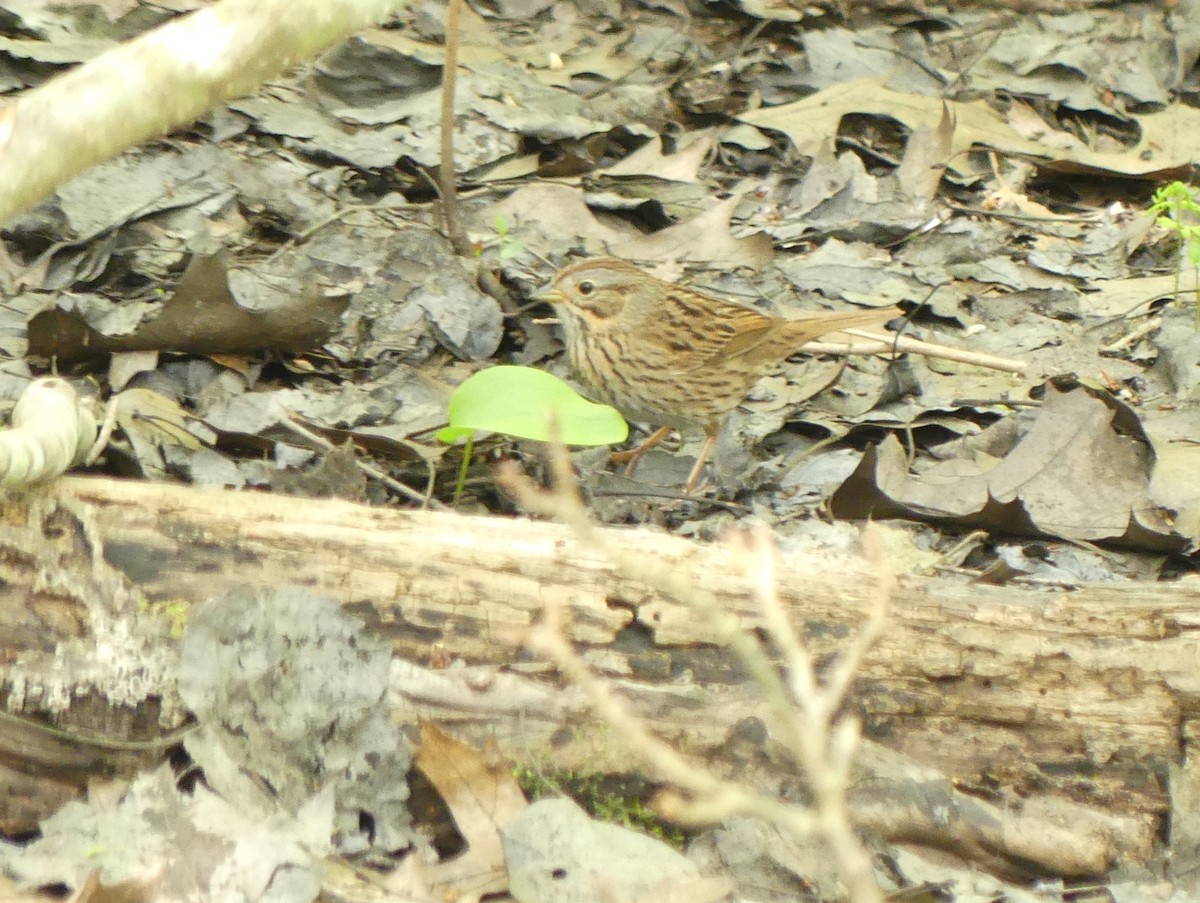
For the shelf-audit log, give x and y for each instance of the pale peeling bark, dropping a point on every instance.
(1044, 723)
(50, 431)
(160, 81)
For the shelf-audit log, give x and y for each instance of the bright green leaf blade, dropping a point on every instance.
(521, 401)
(452, 434)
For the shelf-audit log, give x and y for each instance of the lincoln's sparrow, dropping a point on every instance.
(665, 354)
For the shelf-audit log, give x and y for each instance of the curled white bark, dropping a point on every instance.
(51, 431)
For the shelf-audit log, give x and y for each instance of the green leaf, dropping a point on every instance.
(1173, 199)
(523, 402)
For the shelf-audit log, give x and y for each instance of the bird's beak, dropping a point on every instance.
(549, 295)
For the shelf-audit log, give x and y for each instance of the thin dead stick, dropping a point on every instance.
(903, 345)
(107, 425)
(1132, 337)
(805, 711)
(425, 501)
(827, 744)
(565, 505)
(849, 663)
(714, 797)
(447, 176)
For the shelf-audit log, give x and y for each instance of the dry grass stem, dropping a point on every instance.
(803, 708)
(879, 344)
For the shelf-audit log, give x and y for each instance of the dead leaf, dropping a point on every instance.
(1170, 139)
(551, 216)
(124, 366)
(146, 416)
(1081, 470)
(681, 166)
(136, 890)
(926, 157)
(214, 309)
(482, 796)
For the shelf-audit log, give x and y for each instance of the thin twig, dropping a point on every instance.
(804, 712)
(1132, 337)
(825, 746)
(447, 176)
(107, 425)
(385, 203)
(904, 345)
(848, 665)
(671, 495)
(425, 501)
(565, 505)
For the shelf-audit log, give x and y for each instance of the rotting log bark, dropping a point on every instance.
(1080, 700)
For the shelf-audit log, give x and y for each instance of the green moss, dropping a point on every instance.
(620, 799)
(174, 611)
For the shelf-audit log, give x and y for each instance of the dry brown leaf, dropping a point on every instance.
(482, 796)
(551, 215)
(1170, 139)
(1081, 470)
(681, 166)
(138, 890)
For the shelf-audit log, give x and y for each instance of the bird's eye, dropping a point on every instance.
(587, 287)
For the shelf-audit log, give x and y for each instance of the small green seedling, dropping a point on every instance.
(1177, 208)
(509, 247)
(529, 404)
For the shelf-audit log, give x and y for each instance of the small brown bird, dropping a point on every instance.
(665, 354)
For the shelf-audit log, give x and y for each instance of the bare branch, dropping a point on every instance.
(158, 82)
(805, 719)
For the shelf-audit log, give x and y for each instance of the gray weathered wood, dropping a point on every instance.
(1077, 698)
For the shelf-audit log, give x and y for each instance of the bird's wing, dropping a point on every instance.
(704, 332)
(788, 334)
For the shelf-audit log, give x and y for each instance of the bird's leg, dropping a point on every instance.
(710, 439)
(635, 454)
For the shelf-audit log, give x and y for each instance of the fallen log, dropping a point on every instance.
(1064, 708)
